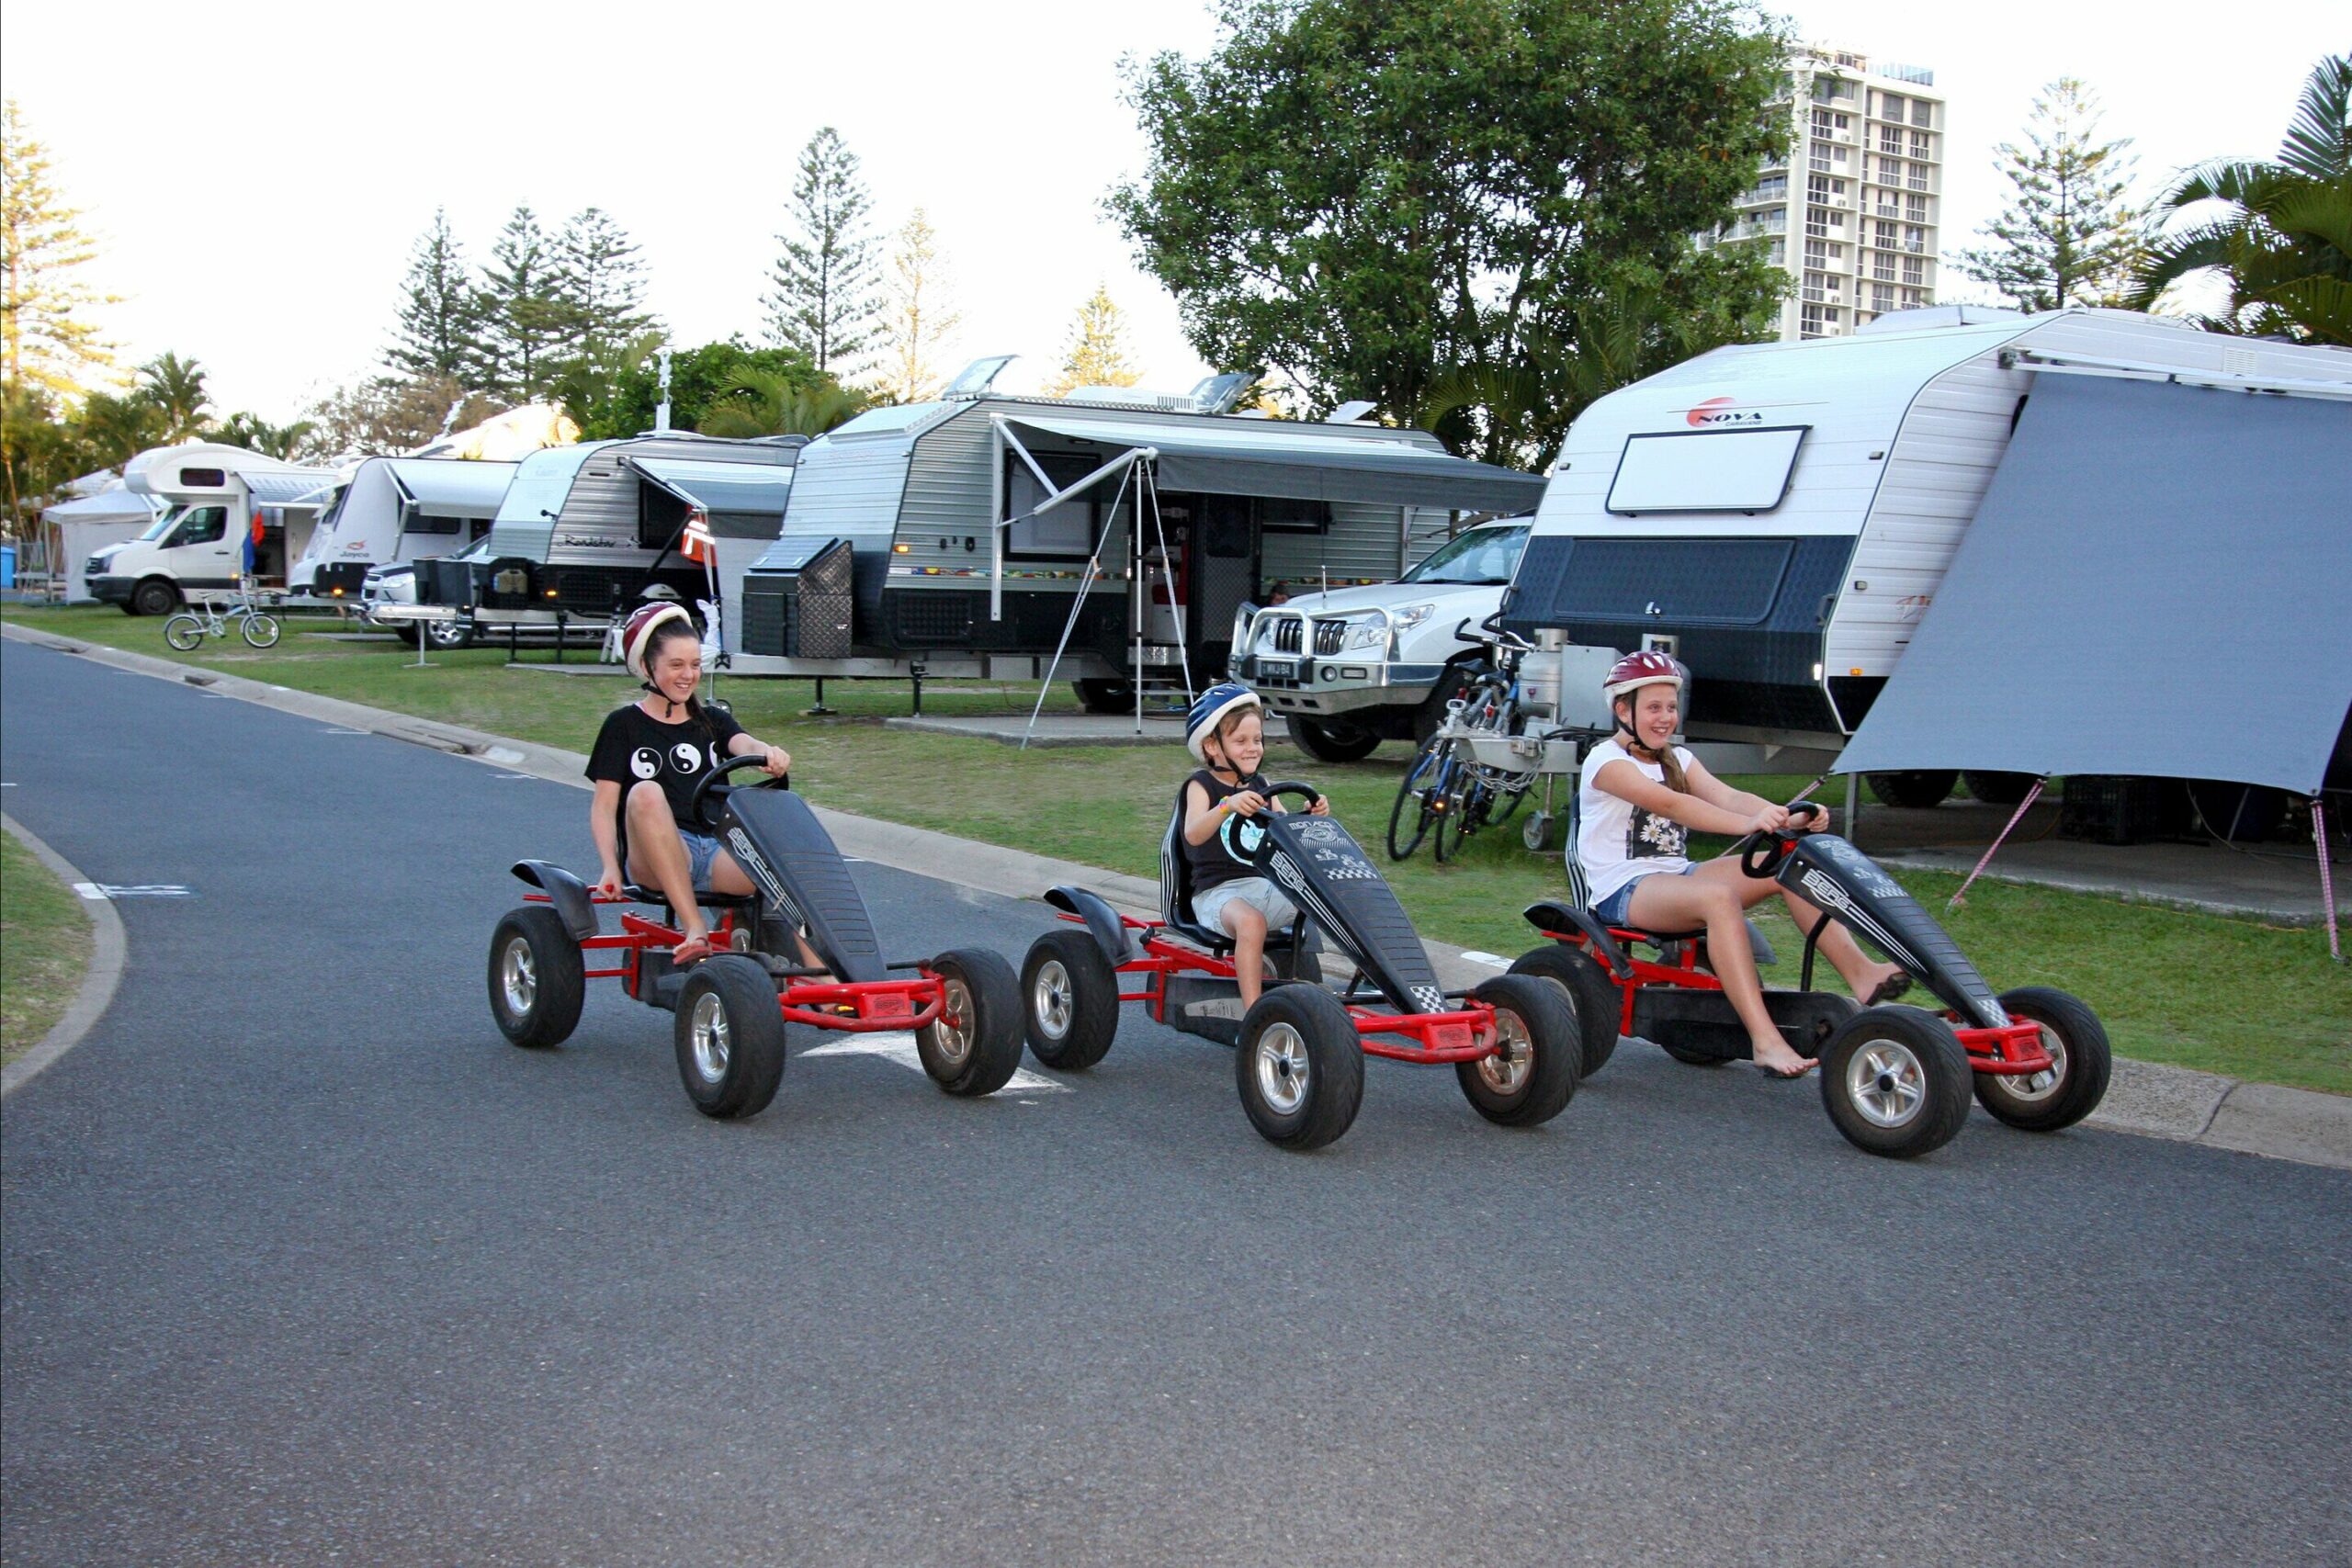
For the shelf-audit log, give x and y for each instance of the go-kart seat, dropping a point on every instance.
(1176, 892)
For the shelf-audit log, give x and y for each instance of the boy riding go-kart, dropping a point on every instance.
(1895, 1079)
(793, 943)
(1274, 880)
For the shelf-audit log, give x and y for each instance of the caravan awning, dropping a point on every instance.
(1278, 458)
(115, 505)
(451, 487)
(2152, 586)
(751, 491)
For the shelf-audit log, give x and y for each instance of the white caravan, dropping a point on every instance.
(214, 496)
(1779, 515)
(393, 510)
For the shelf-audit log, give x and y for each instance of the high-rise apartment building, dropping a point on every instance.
(1854, 210)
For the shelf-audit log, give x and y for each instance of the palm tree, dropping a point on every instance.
(255, 434)
(2283, 241)
(176, 387)
(767, 403)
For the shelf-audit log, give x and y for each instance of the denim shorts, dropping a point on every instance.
(1255, 891)
(1617, 909)
(701, 850)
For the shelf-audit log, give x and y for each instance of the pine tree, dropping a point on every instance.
(439, 329)
(824, 300)
(600, 282)
(47, 338)
(1096, 354)
(920, 315)
(2069, 234)
(521, 310)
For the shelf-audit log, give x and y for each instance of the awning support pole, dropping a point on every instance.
(1004, 438)
(1149, 487)
(2326, 879)
(2023, 806)
(1070, 625)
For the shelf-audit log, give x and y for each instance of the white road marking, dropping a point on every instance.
(514, 775)
(899, 1047)
(99, 891)
(1488, 959)
(345, 732)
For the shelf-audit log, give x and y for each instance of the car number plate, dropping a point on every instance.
(1278, 669)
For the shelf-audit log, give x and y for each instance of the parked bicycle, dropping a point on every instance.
(207, 618)
(1448, 792)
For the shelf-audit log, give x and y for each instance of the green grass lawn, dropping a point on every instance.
(2223, 995)
(44, 948)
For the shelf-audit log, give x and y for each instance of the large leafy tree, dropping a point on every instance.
(622, 402)
(2070, 234)
(2278, 234)
(825, 289)
(521, 310)
(1374, 197)
(438, 332)
(47, 338)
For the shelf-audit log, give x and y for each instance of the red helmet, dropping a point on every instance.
(1648, 668)
(637, 633)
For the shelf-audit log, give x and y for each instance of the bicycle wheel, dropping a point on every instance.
(185, 632)
(1463, 807)
(261, 631)
(1409, 818)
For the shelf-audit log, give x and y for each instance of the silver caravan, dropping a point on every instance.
(584, 532)
(1779, 515)
(218, 501)
(393, 509)
(955, 538)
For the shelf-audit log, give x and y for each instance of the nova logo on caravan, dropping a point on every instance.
(1718, 412)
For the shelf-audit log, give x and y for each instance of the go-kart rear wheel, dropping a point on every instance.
(537, 978)
(729, 1035)
(1071, 1000)
(2079, 1065)
(1533, 1075)
(1689, 1058)
(1299, 1068)
(1895, 1079)
(1599, 1004)
(974, 1046)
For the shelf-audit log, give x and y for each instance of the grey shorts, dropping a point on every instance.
(1255, 891)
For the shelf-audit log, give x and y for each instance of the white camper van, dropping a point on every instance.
(213, 497)
(1779, 515)
(393, 510)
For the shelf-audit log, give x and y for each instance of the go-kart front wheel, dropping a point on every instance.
(974, 1046)
(729, 1035)
(2079, 1065)
(1895, 1079)
(1599, 1005)
(537, 980)
(1299, 1068)
(1071, 1000)
(1533, 1075)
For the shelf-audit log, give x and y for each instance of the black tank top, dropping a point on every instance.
(1225, 857)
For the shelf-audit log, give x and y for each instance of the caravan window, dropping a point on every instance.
(202, 478)
(1706, 470)
(162, 525)
(1073, 527)
(421, 525)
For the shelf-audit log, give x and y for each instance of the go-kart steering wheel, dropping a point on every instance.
(1263, 848)
(1761, 854)
(701, 806)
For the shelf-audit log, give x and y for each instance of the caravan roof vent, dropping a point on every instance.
(973, 381)
(1132, 397)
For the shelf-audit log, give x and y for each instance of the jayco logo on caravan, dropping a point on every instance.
(1717, 411)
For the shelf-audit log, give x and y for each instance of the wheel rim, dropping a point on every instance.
(952, 1034)
(444, 634)
(1886, 1082)
(1051, 999)
(518, 978)
(1281, 1063)
(1505, 1073)
(708, 1036)
(2030, 1089)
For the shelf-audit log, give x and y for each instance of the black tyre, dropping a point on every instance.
(1691, 1059)
(185, 632)
(1332, 739)
(1536, 832)
(156, 596)
(537, 979)
(1299, 1068)
(1070, 998)
(2079, 1062)
(1895, 1079)
(730, 1034)
(1915, 791)
(974, 1046)
(1599, 1005)
(1997, 789)
(1409, 818)
(1461, 810)
(261, 631)
(448, 635)
(1535, 1076)
(1451, 683)
(1104, 696)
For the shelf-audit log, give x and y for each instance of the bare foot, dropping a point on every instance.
(1781, 1063)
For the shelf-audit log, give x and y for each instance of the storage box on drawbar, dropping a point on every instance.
(796, 602)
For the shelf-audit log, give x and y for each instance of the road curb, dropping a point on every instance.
(99, 982)
(2144, 1098)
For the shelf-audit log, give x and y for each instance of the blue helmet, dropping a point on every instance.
(1209, 710)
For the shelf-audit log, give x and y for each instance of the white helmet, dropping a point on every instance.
(637, 633)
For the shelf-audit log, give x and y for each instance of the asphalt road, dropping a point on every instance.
(304, 1264)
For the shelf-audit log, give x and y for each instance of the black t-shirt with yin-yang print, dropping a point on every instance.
(632, 747)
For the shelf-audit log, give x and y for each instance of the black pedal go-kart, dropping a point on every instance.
(731, 1008)
(1299, 1061)
(1895, 1079)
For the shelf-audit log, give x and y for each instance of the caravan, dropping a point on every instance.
(1778, 516)
(229, 514)
(393, 510)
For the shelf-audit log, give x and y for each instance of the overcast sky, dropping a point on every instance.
(258, 173)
